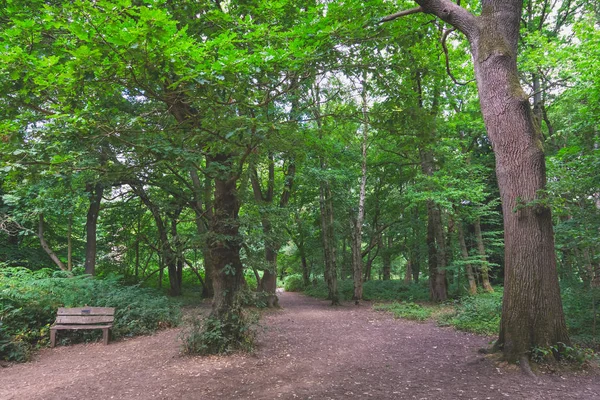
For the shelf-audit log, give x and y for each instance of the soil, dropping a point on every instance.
(306, 350)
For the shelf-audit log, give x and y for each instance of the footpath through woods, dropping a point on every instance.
(308, 350)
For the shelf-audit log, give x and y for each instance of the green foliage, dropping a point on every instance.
(562, 352)
(293, 283)
(578, 304)
(248, 297)
(375, 290)
(406, 310)
(29, 300)
(226, 334)
(478, 314)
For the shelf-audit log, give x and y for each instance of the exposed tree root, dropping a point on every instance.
(526, 368)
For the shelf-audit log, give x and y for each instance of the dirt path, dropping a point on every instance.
(307, 351)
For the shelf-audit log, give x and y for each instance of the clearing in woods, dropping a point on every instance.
(307, 350)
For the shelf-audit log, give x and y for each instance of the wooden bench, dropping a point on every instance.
(83, 318)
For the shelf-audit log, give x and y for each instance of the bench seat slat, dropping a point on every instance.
(84, 319)
(86, 311)
(78, 327)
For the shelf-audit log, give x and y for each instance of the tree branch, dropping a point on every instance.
(399, 14)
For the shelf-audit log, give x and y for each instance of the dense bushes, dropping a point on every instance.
(29, 300)
(478, 314)
(375, 290)
(293, 283)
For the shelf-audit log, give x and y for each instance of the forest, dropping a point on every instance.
(167, 153)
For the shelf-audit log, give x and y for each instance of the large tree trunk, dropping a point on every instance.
(225, 244)
(95, 192)
(532, 314)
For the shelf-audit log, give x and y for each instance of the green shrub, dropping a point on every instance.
(478, 314)
(294, 283)
(406, 310)
(29, 300)
(233, 332)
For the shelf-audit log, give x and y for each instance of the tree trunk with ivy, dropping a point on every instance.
(224, 244)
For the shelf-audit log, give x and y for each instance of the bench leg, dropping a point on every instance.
(52, 337)
(105, 335)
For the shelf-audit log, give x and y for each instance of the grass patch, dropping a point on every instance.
(406, 310)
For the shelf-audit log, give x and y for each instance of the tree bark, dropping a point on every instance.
(95, 192)
(532, 313)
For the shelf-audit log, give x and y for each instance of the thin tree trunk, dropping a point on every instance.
(386, 259)
(95, 192)
(46, 246)
(356, 244)
(203, 211)
(485, 276)
(168, 256)
(465, 255)
(438, 284)
(70, 243)
(409, 271)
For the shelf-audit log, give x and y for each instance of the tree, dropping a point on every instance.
(532, 314)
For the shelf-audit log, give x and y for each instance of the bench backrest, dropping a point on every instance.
(85, 315)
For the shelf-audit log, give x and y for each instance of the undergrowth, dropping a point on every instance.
(29, 301)
(229, 333)
(477, 314)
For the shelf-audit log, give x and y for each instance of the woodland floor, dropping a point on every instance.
(307, 350)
